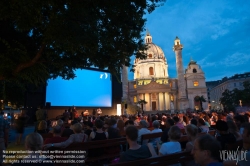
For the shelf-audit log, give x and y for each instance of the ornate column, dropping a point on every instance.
(182, 96)
(164, 102)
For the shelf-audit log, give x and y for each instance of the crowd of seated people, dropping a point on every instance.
(229, 129)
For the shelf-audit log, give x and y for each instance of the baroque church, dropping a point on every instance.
(153, 84)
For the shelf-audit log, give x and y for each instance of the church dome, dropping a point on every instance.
(153, 51)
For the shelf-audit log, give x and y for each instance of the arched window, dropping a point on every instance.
(151, 71)
(196, 83)
(150, 56)
(134, 85)
(172, 98)
(194, 70)
(135, 99)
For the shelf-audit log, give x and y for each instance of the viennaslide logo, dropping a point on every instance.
(236, 155)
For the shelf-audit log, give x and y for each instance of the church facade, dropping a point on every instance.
(153, 84)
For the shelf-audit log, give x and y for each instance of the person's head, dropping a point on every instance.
(169, 123)
(42, 125)
(57, 130)
(112, 122)
(232, 126)
(194, 121)
(131, 133)
(77, 128)
(176, 119)
(120, 124)
(239, 120)
(99, 124)
(221, 126)
(129, 123)
(89, 125)
(191, 130)
(156, 124)
(34, 142)
(201, 122)
(143, 124)
(206, 150)
(174, 133)
(59, 122)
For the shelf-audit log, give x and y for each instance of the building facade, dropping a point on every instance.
(216, 88)
(153, 84)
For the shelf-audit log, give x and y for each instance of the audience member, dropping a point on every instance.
(135, 151)
(169, 124)
(33, 143)
(178, 122)
(56, 136)
(173, 145)
(156, 129)
(143, 130)
(202, 125)
(192, 132)
(78, 136)
(206, 151)
(99, 134)
(232, 128)
(223, 136)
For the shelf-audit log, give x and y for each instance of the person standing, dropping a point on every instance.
(19, 126)
(40, 115)
(4, 134)
(99, 111)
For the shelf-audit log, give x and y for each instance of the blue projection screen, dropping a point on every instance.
(90, 88)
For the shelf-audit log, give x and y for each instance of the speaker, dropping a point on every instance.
(48, 104)
(126, 106)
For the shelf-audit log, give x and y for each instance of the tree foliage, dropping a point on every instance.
(200, 99)
(51, 38)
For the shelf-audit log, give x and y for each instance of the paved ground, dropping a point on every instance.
(12, 138)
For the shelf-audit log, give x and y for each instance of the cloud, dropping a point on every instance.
(236, 59)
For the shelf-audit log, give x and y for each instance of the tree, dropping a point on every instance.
(200, 99)
(227, 100)
(141, 102)
(47, 39)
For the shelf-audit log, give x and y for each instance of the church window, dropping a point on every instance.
(196, 83)
(150, 56)
(194, 70)
(135, 99)
(134, 85)
(172, 98)
(151, 71)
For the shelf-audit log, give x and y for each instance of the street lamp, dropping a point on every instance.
(240, 103)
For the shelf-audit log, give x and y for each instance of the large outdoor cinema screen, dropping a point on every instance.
(90, 88)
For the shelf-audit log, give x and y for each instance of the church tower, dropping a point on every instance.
(196, 86)
(182, 96)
